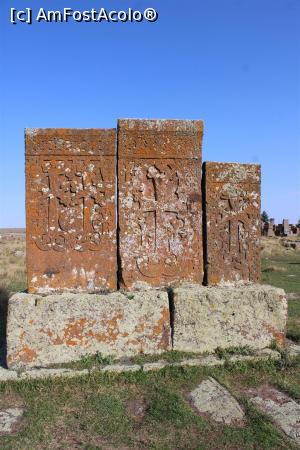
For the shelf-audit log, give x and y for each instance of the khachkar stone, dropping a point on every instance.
(160, 219)
(232, 218)
(70, 209)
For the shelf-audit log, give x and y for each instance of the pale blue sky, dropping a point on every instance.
(233, 63)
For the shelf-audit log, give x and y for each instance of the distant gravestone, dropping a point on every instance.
(232, 217)
(70, 208)
(271, 226)
(160, 205)
(285, 226)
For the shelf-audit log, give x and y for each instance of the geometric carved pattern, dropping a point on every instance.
(232, 206)
(160, 213)
(70, 190)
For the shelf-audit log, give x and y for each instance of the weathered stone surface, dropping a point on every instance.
(35, 374)
(9, 418)
(232, 222)
(119, 368)
(209, 317)
(6, 375)
(209, 360)
(154, 366)
(293, 349)
(63, 327)
(213, 399)
(160, 216)
(70, 209)
(283, 410)
(260, 355)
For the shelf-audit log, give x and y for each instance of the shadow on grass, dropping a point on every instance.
(4, 296)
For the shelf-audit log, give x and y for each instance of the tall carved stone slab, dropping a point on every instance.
(232, 219)
(70, 209)
(160, 218)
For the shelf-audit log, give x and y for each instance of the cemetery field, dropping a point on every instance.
(148, 410)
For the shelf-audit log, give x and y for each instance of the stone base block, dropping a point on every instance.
(233, 316)
(64, 327)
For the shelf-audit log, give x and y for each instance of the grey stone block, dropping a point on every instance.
(6, 375)
(228, 316)
(61, 328)
(119, 368)
(282, 409)
(9, 418)
(214, 400)
(35, 374)
(155, 366)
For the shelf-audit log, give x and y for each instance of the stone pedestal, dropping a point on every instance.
(61, 328)
(64, 327)
(232, 316)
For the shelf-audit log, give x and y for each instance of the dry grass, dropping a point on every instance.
(274, 246)
(273, 268)
(12, 261)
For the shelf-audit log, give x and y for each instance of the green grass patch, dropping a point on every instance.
(293, 325)
(224, 353)
(173, 356)
(97, 360)
(87, 362)
(105, 415)
(167, 406)
(282, 271)
(92, 412)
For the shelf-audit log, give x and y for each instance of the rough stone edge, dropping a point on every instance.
(204, 361)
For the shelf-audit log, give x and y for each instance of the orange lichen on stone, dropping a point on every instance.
(54, 340)
(76, 332)
(279, 337)
(161, 330)
(24, 355)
